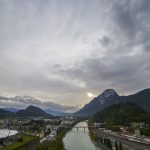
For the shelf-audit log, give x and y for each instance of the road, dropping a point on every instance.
(133, 144)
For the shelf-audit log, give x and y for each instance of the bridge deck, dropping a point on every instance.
(84, 127)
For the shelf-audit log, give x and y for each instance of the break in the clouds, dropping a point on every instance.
(58, 51)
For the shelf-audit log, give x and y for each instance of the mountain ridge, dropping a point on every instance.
(55, 113)
(6, 113)
(122, 113)
(32, 111)
(110, 97)
(11, 109)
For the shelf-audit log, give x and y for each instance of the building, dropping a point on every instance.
(7, 135)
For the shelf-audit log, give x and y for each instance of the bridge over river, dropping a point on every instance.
(83, 127)
(81, 140)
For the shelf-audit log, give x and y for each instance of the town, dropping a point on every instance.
(12, 129)
(46, 130)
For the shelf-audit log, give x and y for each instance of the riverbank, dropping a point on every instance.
(94, 138)
(101, 146)
(58, 143)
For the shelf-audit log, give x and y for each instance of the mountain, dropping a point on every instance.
(55, 113)
(107, 98)
(110, 97)
(121, 114)
(141, 98)
(32, 111)
(5, 113)
(10, 109)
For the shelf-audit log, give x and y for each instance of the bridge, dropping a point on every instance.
(84, 127)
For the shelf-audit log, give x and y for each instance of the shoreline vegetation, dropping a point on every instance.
(93, 138)
(103, 144)
(55, 145)
(58, 144)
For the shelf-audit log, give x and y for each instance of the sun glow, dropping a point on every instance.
(89, 94)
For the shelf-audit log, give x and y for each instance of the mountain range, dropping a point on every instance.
(21, 111)
(55, 113)
(110, 97)
(6, 113)
(11, 109)
(30, 111)
(106, 99)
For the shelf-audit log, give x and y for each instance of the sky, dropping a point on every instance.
(60, 54)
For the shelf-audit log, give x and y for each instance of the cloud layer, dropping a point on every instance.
(58, 51)
(25, 101)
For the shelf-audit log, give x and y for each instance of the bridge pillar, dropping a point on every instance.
(84, 129)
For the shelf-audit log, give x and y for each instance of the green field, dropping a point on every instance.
(16, 145)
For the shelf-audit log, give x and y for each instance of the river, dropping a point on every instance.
(79, 140)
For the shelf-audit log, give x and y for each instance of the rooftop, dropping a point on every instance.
(5, 133)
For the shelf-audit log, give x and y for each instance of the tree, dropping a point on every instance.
(107, 142)
(101, 140)
(109, 145)
(116, 145)
(120, 146)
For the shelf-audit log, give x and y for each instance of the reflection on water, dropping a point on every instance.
(79, 139)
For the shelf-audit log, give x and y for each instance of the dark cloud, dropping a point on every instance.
(126, 72)
(124, 18)
(62, 50)
(131, 21)
(105, 41)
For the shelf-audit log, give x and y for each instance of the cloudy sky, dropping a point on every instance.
(60, 54)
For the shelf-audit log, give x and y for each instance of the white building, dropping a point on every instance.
(7, 133)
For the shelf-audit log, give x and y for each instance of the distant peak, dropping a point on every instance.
(109, 92)
(32, 107)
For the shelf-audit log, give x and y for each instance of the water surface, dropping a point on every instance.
(79, 140)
